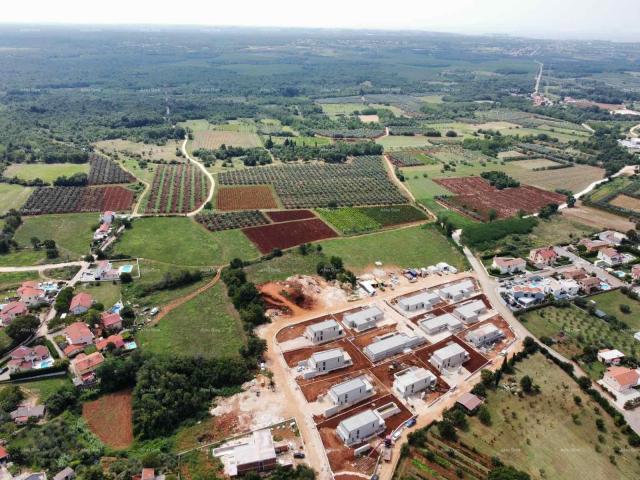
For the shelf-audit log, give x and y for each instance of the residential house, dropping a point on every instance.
(23, 413)
(392, 344)
(66, 473)
(613, 237)
(12, 310)
(469, 402)
(635, 272)
(31, 295)
(449, 357)
(360, 427)
(111, 321)
(470, 312)
(485, 335)
(108, 217)
(509, 265)
(80, 303)
(610, 357)
(543, 257)
(351, 391)
(26, 358)
(328, 361)
(561, 289)
(104, 271)
(78, 333)
(84, 366)
(413, 380)
(363, 319)
(527, 295)
(419, 301)
(31, 476)
(4, 455)
(257, 453)
(457, 291)
(575, 274)
(324, 332)
(611, 257)
(589, 284)
(116, 340)
(593, 245)
(102, 231)
(441, 323)
(620, 379)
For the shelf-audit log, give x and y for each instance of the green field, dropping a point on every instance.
(280, 268)
(24, 258)
(206, 325)
(609, 302)
(106, 293)
(406, 247)
(350, 220)
(13, 196)
(402, 141)
(47, 172)
(72, 232)
(548, 435)
(335, 109)
(181, 241)
(10, 281)
(43, 389)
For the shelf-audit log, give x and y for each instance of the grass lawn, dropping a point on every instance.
(47, 172)
(9, 281)
(349, 220)
(610, 302)
(406, 247)
(181, 241)
(206, 325)
(548, 435)
(24, 258)
(45, 388)
(401, 141)
(457, 219)
(280, 268)
(105, 293)
(72, 232)
(334, 109)
(5, 340)
(13, 196)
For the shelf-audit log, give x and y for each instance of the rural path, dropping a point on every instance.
(635, 131)
(591, 186)
(392, 173)
(40, 268)
(205, 171)
(136, 209)
(587, 127)
(538, 78)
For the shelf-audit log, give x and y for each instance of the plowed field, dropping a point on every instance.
(110, 418)
(245, 198)
(287, 235)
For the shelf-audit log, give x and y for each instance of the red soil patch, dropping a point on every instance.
(245, 198)
(288, 215)
(476, 197)
(289, 298)
(497, 347)
(296, 330)
(110, 418)
(287, 235)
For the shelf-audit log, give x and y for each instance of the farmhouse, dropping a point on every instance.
(589, 284)
(390, 345)
(610, 357)
(360, 427)
(485, 335)
(351, 391)
(611, 257)
(111, 321)
(104, 271)
(26, 358)
(31, 295)
(457, 291)
(12, 310)
(469, 312)
(364, 319)
(255, 454)
(413, 380)
(543, 257)
(508, 265)
(613, 237)
(80, 303)
(323, 332)
(451, 356)
(620, 379)
(23, 413)
(102, 231)
(328, 361)
(84, 366)
(440, 323)
(594, 245)
(419, 301)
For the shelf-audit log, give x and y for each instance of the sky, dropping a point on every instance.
(575, 19)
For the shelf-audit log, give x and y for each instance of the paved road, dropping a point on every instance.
(204, 170)
(590, 267)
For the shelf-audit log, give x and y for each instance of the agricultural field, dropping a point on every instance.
(350, 133)
(547, 434)
(47, 172)
(213, 329)
(217, 222)
(418, 246)
(212, 137)
(362, 181)
(536, 163)
(610, 302)
(170, 152)
(106, 293)
(350, 220)
(110, 418)
(72, 232)
(78, 199)
(23, 258)
(574, 179)
(289, 215)
(13, 196)
(621, 196)
(392, 142)
(626, 202)
(280, 268)
(176, 189)
(340, 109)
(597, 218)
(106, 171)
(276, 236)
(411, 157)
(182, 241)
(246, 198)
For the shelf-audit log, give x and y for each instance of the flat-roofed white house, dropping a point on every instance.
(364, 319)
(351, 391)
(451, 356)
(419, 301)
(441, 323)
(413, 380)
(471, 311)
(485, 335)
(610, 357)
(613, 237)
(360, 427)
(457, 291)
(328, 361)
(324, 332)
(390, 345)
(255, 454)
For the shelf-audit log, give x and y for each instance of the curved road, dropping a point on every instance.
(204, 170)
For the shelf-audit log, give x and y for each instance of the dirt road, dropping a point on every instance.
(205, 171)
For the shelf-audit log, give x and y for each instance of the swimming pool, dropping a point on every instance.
(130, 345)
(126, 269)
(44, 363)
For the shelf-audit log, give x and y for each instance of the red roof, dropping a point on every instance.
(117, 341)
(14, 308)
(3, 452)
(635, 270)
(609, 252)
(71, 350)
(110, 319)
(104, 227)
(87, 363)
(77, 332)
(30, 292)
(469, 401)
(623, 375)
(148, 474)
(82, 299)
(20, 352)
(546, 253)
(508, 261)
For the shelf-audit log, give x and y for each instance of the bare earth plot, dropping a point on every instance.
(598, 218)
(536, 163)
(626, 201)
(156, 153)
(574, 178)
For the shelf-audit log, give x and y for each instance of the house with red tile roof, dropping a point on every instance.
(543, 257)
(78, 333)
(593, 245)
(509, 264)
(589, 284)
(12, 310)
(30, 295)
(4, 455)
(26, 358)
(111, 321)
(148, 474)
(116, 340)
(620, 379)
(80, 303)
(611, 257)
(84, 366)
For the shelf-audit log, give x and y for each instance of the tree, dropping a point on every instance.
(65, 398)
(484, 415)
(63, 300)
(488, 378)
(527, 384)
(22, 327)
(125, 277)
(35, 242)
(507, 473)
(447, 431)
(492, 215)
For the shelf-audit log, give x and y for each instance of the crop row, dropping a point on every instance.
(411, 157)
(176, 189)
(350, 133)
(361, 181)
(77, 199)
(231, 220)
(105, 171)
